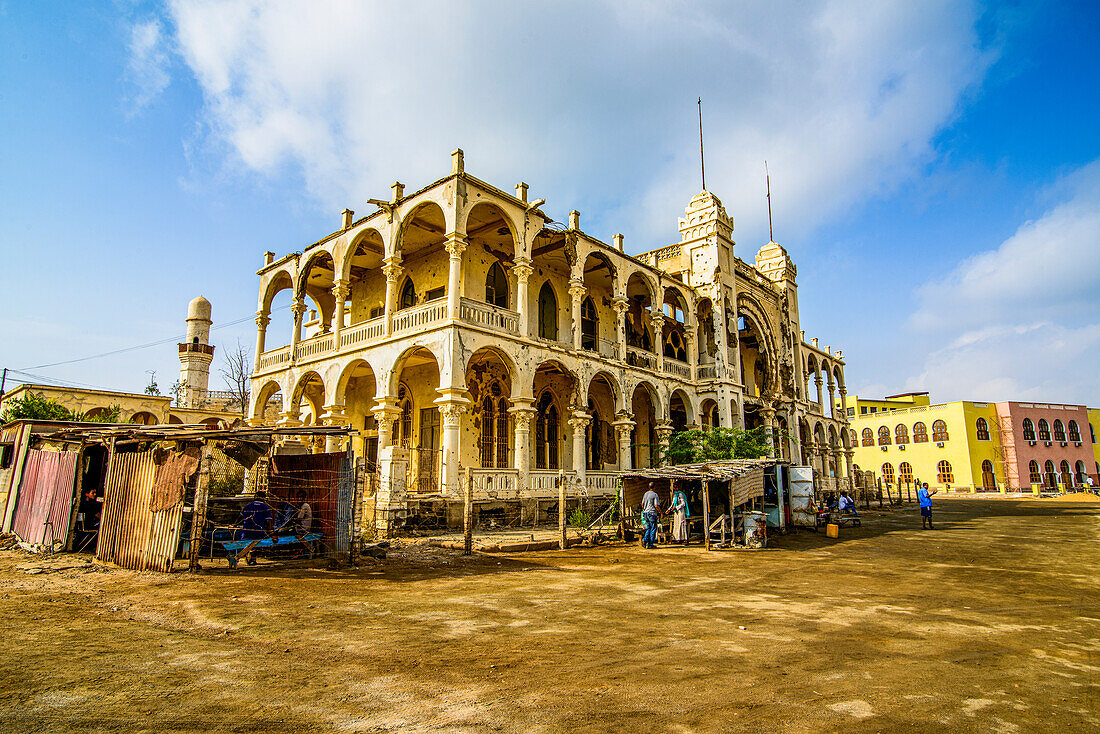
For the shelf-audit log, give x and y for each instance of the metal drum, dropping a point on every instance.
(756, 529)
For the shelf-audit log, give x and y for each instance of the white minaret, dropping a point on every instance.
(196, 354)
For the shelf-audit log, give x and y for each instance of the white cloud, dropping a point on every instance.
(1021, 321)
(592, 102)
(147, 69)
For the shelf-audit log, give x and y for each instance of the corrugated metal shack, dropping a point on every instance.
(137, 495)
(718, 492)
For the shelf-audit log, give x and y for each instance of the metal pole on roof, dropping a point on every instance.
(3, 379)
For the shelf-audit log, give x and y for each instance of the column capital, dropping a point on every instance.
(341, 289)
(664, 430)
(289, 419)
(392, 269)
(522, 268)
(335, 415)
(577, 289)
(455, 244)
(523, 413)
(298, 308)
(262, 319)
(450, 410)
(579, 420)
(620, 304)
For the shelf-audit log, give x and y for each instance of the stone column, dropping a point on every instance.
(392, 270)
(620, 304)
(623, 428)
(385, 413)
(849, 454)
(693, 355)
(340, 291)
(658, 320)
(769, 430)
(820, 395)
(832, 400)
(577, 292)
(334, 415)
(844, 401)
(456, 245)
(578, 423)
(451, 408)
(523, 412)
(664, 433)
(522, 270)
(262, 320)
(298, 308)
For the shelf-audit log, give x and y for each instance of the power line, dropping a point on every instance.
(157, 343)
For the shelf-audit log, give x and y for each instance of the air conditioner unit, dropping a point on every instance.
(1046, 443)
(1030, 443)
(884, 448)
(1077, 444)
(1063, 444)
(901, 447)
(940, 444)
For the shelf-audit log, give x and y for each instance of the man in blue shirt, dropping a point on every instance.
(256, 518)
(651, 511)
(924, 497)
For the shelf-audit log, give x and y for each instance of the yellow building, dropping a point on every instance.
(970, 445)
(858, 405)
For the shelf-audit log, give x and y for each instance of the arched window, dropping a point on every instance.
(1049, 475)
(983, 430)
(888, 473)
(1059, 431)
(1092, 433)
(1067, 477)
(546, 433)
(1074, 432)
(1033, 469)
(496, 286)
(905, 472)
(868, 437)
(402, 427)
(548, 313)
(494, 428)
(408, 295)
(989, 479)
(883, 436)
(590, 325)
(939, 431)
(593, 440)
(945, 476)
(920, 433)
(901, 434)
(1044, 430)
(1029, 430)
(852, 438)
(1080, 472)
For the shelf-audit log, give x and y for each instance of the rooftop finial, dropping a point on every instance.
(768, 179)
(702, 165)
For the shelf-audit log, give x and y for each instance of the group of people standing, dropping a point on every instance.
(651, 515)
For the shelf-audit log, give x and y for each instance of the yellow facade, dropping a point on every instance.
(963, 450)
(1094, 428)
(858, 405)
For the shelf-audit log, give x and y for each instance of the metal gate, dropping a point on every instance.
(45, 499)
(802, 495)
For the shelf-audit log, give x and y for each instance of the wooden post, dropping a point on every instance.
(198, 508)
(706, 514)
(468, 516)
(724, 520)
(561, 508)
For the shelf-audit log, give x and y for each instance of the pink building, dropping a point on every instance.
(1046, 444)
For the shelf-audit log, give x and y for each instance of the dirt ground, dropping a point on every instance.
(990, 622)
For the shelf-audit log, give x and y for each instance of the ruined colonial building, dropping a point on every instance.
(466, 334)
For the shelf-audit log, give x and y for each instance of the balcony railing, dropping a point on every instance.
(494, 483)
(641, 358)
(420, 317)
(601, 482)
(367, 331)
(275, 357)
(484, 314)
(314, 346)
(676, 367)
(709, 371)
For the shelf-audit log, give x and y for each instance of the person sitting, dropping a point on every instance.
(846, 504)
(303, 520)
(256, 518)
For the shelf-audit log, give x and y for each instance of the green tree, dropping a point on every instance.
(34, 406)
(110, 414)
(152, 388)
(716, 444)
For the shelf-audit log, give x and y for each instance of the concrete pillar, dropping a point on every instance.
(832, 399)
(623, 428)
(523, 412)
(456, 245)
(820, 395)
(334, 415)
(664, 433)
(392, 270)
(578, 423)
(693, 355)
(577, 292)
(298, 308)
(340, 291)
(385, 413)
(522, 270)
(451, 407)
(844, 400)
(849, 454)
(620, 304)
(769, 430)
(262, 320)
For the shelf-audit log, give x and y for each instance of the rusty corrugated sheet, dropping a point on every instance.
(131, 534)
(45, 498)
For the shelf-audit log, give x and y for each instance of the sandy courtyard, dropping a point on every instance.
(991, 622)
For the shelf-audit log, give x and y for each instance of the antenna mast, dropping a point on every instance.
(768, 178)
(702, 165)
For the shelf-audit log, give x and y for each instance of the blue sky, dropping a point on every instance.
(934, 165)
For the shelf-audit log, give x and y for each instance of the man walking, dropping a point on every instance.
(924, 497)
(651, 512)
